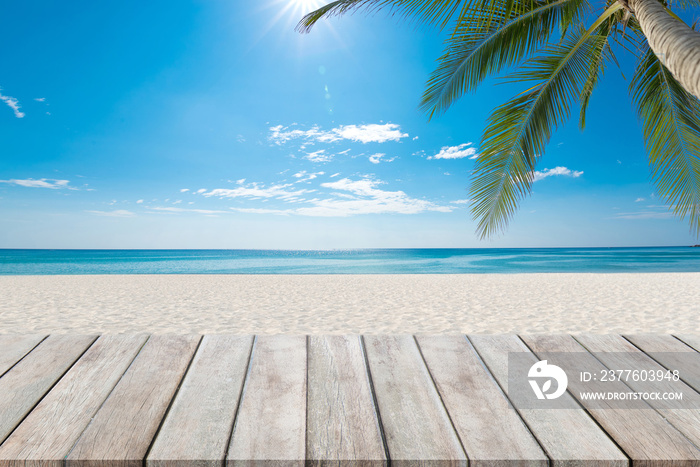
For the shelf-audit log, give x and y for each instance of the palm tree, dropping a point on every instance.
(562, 50)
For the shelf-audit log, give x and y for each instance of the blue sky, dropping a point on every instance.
(213, 124)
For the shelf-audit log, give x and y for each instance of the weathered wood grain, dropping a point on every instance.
(371, 401)
(645, 436)
(416, 425)
(14, 347)
(28, 381)
(47, 434)
(122, 430)
(692, 340)
(569, 436)
(492, 433)
(270, 426)
(672, 354)
(616, 353)
(198, 426)
(342, 423)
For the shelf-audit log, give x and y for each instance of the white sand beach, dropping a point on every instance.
(368, 304)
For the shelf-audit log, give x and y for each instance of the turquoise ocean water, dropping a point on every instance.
(361, 261)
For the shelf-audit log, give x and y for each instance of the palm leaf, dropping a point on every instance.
(671, 124)
(519, 130)
(601, 54)
(486, 42)
(429, 12)
(684, 4)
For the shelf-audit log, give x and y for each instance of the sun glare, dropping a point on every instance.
(306, 6)
(284, 15)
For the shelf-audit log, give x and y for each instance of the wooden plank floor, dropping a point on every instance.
(301, 400)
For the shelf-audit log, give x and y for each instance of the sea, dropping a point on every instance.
(352, 261)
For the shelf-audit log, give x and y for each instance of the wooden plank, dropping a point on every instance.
(692, 340)
(28, 381)
(416, 425)
(271, 420)
(491, 431)
(341, 422)
(50, 430)
(198, 426)
(122, 430)
(645, 436)
(672, 354)
(569, 436)
(14, 347)
(618, 354)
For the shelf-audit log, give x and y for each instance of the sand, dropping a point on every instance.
(368, 304)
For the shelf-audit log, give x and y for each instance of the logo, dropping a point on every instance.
(542, 370)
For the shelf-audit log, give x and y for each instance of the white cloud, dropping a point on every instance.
(644, 215)
(201, 190)
(638, 200)
(379, 157)
(303, 176)
(460, 201)
(184, 190)
(372, 133)
(322, 156)
(139, 201)
(117, 213)
(343, 198)
(198, 211)
(13, 104)
(255, 190)
(557, 171)
(363, 197)
(376, 158)
(280, 134)
(456, 152)
(41, 183)
(334, 175)
(40, 99)
(318, 156)
(282, 212)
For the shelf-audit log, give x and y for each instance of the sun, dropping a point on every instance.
(286, 14)
(305, 6)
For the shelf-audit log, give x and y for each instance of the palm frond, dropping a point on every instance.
(671, 124)
(432, 12)
(519, 130)
(602, 53)
(485, 42)
(684, 4)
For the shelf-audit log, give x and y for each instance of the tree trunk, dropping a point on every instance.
(676, 45)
